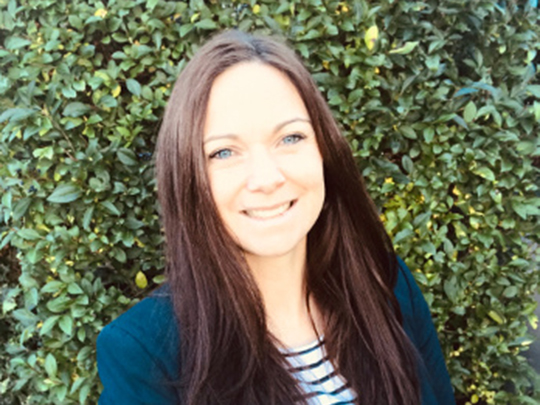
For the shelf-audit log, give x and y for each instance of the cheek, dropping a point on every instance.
(222, 186)
(307, 170)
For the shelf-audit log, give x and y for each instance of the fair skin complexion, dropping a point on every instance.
(266, 177)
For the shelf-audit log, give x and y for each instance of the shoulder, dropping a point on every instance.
(139, 348)
(151, 319)
(406, 289)
(414, 309)
(151, 322)
(417, 323)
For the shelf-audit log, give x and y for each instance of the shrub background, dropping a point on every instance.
(440, 103)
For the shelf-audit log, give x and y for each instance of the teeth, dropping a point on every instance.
(263, 214)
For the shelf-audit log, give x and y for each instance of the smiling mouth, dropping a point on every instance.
(269, 213)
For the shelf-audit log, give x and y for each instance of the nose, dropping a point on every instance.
(264, 173)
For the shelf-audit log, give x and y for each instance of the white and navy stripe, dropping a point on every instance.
(317, 377)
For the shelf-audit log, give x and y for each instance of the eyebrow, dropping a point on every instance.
(276, 129)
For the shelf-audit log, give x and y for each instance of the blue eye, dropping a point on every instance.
(221, 154)
(292, 139)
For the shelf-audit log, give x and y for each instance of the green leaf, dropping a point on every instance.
(75, 289)
(405, 49)
(147, 93)
(81, 334)
(68, 92)
(83, 393)
(134, 87)
(422, 219)
(6, 240)
(133, 223)
(52, 286)
(35, 254)
(138, 51)
(469, 114)
(46, 152)
(402, 235)
(25, 317)
(75, 109)
(13, 43)
(109, 206)
(8, 306)
(485, 173)
(429, 133)
(510, 292)
(16, 114)
(78, 382)
(534, 89)
(29, 234)
(151, 4)
(120, 255)
(127, 157)
(48, 324)
(64, 193)
(407, 164)
(66, 324)
(206, 24)
(185, 29)
(75, 21)
(408, 132)
(59, 304)
(20, 208)
(451, 288)
(50, 365)
(87, 218)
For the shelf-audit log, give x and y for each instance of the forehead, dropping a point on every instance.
(251, 96)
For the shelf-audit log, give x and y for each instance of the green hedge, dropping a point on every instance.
(439, 100)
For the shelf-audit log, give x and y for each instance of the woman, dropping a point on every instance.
(283, 286)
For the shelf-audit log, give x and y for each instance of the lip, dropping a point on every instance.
(291, 203)
(270, 207)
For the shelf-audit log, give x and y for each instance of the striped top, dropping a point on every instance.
(316, 375)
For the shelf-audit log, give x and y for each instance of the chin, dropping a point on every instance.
(272, 250)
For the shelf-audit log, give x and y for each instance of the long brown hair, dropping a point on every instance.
(227, 356)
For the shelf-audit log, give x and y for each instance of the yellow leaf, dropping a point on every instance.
(116, 91)
(475, 399)
(371, 36)
(101, 13)
(256, 9)
(140, 280)
(102, 75)
(496, 317)
(43, 227)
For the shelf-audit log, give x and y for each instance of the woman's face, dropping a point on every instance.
(264, 165)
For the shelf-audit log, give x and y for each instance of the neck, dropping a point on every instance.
(281, 281)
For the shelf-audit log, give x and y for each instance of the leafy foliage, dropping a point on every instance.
(440, 103)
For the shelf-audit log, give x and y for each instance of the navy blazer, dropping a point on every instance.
(137, 352)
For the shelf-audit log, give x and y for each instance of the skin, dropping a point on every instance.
(266, 177)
